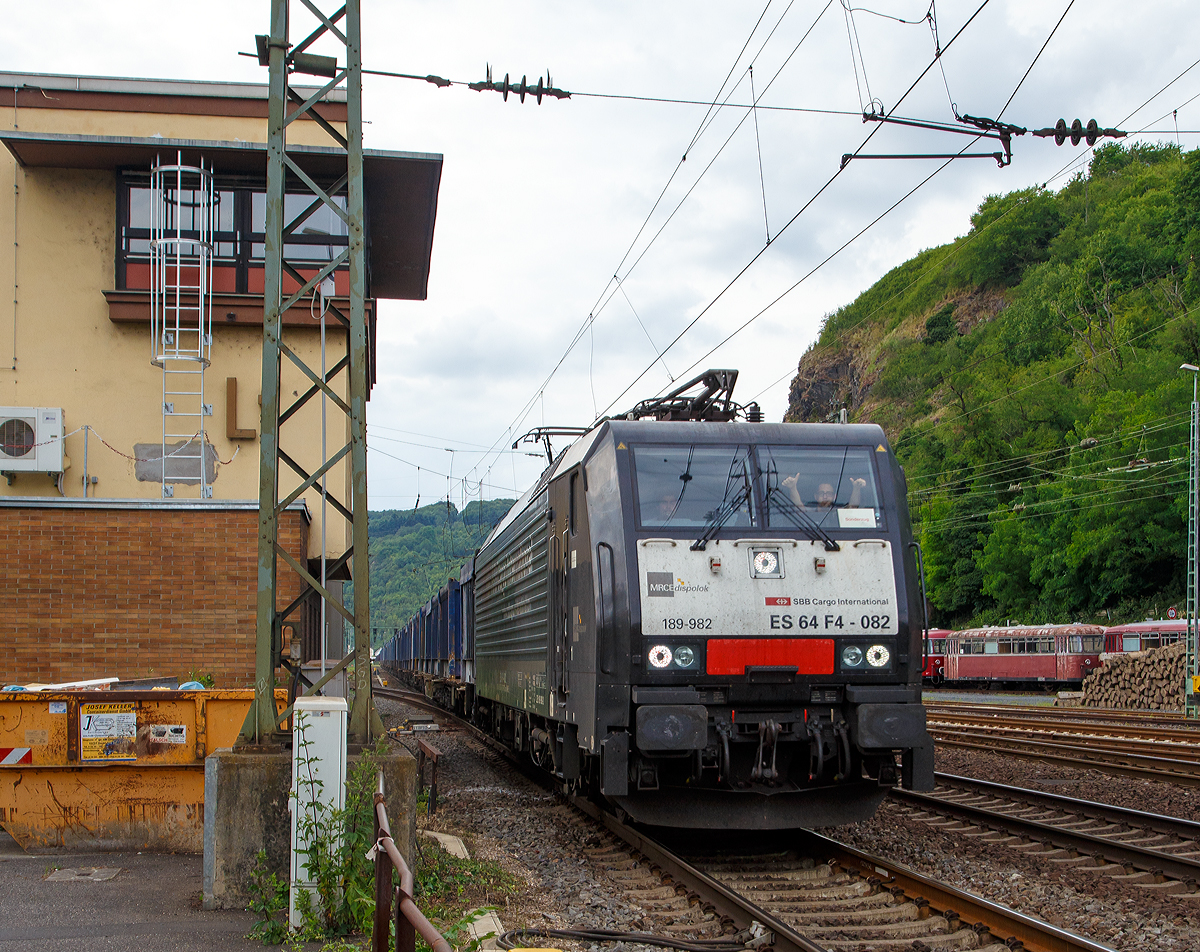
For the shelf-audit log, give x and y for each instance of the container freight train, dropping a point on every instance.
(709, 621)
(1045, 655)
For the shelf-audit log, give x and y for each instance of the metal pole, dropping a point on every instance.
(260, 723)
(260, 729)
(1191, 702)
(360, 713)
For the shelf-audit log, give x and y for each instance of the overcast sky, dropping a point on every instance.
(540, 204)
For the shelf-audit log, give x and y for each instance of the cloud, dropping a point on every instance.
(538, 204)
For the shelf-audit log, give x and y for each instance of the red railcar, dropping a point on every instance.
(1043, 654)
(936, 657)
(1144, 635)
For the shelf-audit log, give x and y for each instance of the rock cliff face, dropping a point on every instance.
(842, 373)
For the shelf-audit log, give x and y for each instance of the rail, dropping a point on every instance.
(409, 919)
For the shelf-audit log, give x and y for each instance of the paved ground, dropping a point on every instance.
(152, 902)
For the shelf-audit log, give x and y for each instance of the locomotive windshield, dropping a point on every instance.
(834, 486)
(687, 486)
(681, 486)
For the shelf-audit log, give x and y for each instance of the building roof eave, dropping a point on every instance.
(400, 188)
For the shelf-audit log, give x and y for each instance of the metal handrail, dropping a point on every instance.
(409, 919)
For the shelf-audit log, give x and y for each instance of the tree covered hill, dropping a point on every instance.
(414, 551)
(1028, 377)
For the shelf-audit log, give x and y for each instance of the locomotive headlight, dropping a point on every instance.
(684, 656)
(852, 656)
(878, 656)
(766, 563)
(660, 656)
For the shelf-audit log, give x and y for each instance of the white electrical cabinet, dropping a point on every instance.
(318, 783)
(31, 439)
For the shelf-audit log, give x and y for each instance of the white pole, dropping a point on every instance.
(324, 491)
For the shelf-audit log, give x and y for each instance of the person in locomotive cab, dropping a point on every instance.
(667, 507)
(826, 495)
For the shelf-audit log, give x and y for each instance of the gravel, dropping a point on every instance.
(1122, 915)
(503, 816)
(1166, 798)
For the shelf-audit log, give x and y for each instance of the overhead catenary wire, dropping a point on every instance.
(692, 323)
(1006, 471)
(938, 58)
(608, 291)
(958, 246)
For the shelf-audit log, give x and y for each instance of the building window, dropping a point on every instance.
(240, 238)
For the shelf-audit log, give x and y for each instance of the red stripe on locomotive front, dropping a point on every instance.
(806, 655)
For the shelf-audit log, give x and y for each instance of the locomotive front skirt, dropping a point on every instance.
(707, 624)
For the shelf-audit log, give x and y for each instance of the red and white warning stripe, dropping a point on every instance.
(10, 756)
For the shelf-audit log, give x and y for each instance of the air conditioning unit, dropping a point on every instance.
(31, 440)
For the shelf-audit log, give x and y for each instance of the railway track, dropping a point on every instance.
(808, 894)
(1166, 752)
(1158, 854)
(1082, 716)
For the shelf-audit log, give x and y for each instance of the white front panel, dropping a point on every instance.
(808, 592)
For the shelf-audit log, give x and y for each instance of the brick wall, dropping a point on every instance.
(101, 591)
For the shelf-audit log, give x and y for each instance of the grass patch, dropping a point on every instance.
(446, 888)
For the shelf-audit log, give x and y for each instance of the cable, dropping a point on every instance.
(406, 462)
(653, 345)
(602, 300)
(750, 320)
(801, 211)
(1013, 469)
(723, 944)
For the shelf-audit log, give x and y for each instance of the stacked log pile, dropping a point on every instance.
(1140, 680)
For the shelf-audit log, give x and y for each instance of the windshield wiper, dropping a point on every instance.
(721, 516)
(801, 519)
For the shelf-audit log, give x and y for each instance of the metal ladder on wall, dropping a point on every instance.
(182, 220)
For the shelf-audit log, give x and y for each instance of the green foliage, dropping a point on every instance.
(998, 256)
(452, 891)
(1045, 446)
(343, 898)
(941, 325)
(413, 552)
(269, 901)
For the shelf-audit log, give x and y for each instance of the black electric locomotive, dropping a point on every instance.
(709, 621)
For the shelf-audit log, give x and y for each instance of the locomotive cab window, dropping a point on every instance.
(682, 486)
(834, 486)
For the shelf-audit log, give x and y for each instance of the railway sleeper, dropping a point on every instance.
(845, 889)
(640, 875)
(873, 900)
(747, 867)
(764, 880)
(913, 928)
(1053, 853)
(708, 926)
(657, 892)
(619, 863)
(877, 914)
(899, 938)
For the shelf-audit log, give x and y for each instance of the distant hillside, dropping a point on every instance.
(1028, 376)
(413, 552)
